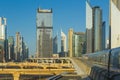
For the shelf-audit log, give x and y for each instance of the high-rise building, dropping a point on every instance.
(44, 28)
(21, 49)
(89, 28)
(97, 28)
(114, 38)
(70, 37)
(103, 36)
(77, 43)
(3, 36)
(25, 51)
(17, 46)
(10, 48)
(55, 45)
(95, 38)
(63, 45)
(3, 28)
(63, 42)
(2, 51)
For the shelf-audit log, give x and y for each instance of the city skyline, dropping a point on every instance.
(21, 15)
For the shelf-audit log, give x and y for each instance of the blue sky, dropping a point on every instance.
(21, 16)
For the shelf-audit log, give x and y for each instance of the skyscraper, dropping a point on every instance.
(2, 51)
(97, 28)
(44, 29)
(103, 35)
(94, 29)
(17, 46)
(63, 42)
(89, 28)
(3, 38)
(76, 41)
(25, 51)
(11, 48)
(114, 39)
(55, 44)
(21, 49)
(70, 37)
(3, 28)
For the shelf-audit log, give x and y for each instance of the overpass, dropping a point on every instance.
(35, 67)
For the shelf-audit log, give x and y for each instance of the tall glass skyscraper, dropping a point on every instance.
(103, 35)
(3, 28)
(44, 28)
(94, 29)
(89, 28)
(55, 45)
(11, 48)
(3, 38)
(97, 28)
(63, 42)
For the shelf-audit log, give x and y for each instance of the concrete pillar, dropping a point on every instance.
(16, 76)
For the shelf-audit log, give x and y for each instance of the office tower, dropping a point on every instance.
(114, 22)
(25, 51)
(70, 37)
(77, 43)
(2, 55)
(63, 42)
(103, 36)
(3, 28)
(44, 28)
(21, 49)
(17, 46)
(3, 37)
(97, 28)
(94, 29)
(89, 28)
(55, 44)
(10, 48)
(63, 45)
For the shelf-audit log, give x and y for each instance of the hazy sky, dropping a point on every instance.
(21, 16)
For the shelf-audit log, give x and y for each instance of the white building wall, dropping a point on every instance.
(63, 37)
(89, 27)
(115, 26)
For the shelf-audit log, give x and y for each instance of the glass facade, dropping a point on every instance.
(95, 38)
(77, 43)
(55, 45)
(103, 35)
(3, 28)
(63, 42)
(2, 46)
(97, 26)
(89, 36)
(11, 48)
(44, 33)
